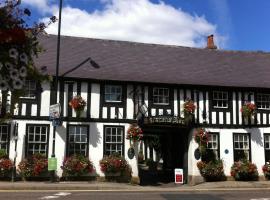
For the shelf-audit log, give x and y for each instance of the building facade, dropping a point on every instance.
(145, 84)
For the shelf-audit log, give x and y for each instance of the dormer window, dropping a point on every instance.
(220, 99)
(30, 89)
(263, 101)
(113, 93)
(161, 96)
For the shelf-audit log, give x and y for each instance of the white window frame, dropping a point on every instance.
(4, 142)
(216, 95)
(161, 96)
(78, 129)
(28, 90)
(240, 139)
(108, 90)
(259, 99)
(39, 143)
(109, 133)
(213, 143)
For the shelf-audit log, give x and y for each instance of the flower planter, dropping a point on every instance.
(244, 171)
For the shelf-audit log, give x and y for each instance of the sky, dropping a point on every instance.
(236, 24)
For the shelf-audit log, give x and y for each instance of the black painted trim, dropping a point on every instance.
(8, 135)
(265, 134)
(70, 96)
(61, 96)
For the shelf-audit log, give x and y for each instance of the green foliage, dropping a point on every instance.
(3, 154)
(19, 46)
(33, 166)
(212, 170)
(114, 164)
(77, 165)
(266, 170)
(244, 170)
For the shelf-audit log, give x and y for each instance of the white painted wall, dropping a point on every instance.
(95, 143)
(226, 142)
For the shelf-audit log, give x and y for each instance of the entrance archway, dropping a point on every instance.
(166, 146)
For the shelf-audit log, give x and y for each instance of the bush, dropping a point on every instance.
(114, 164)
(5, 164)
(77, 165)
(212, 170)
(266, 170)
(244, 171)
(33, 166)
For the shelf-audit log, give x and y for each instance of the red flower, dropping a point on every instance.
(134, 133)
(248, 109)
(189, 107)
(77, 103)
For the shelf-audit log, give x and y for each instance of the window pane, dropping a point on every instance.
(113, 93)
(114, 137)
(78, 140)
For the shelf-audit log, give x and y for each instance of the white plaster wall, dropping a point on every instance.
(192, 162)
(95, 99)
(130, 103)
(45, 99)
(95, 143)
(226, 142)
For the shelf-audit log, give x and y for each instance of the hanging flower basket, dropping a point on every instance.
(78, 104)
(201, 136)
(189, 109)
(134, 133)
(248, 109)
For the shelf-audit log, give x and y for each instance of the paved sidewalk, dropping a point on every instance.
(110, 186)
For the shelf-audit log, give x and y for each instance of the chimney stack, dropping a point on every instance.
(210, 42)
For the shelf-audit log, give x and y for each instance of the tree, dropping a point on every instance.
(19, 46)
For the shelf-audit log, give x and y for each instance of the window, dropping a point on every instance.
(161, 96)
(263, 101)
(114, 140)
(37, 139)
(30, 88)
(113, 93)
(220, 99)
(77, 140)
(267, 147)
(241, 144)
(213, 143)
(4, 138)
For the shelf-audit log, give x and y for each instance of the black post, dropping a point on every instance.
(15, 136)
(56, 82)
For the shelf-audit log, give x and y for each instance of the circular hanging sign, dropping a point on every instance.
(226, 151)
(197, 154)
(131, 153)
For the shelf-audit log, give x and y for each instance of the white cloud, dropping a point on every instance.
(41, 5)
(136, 20)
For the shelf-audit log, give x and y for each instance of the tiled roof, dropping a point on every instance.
(139, 62)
